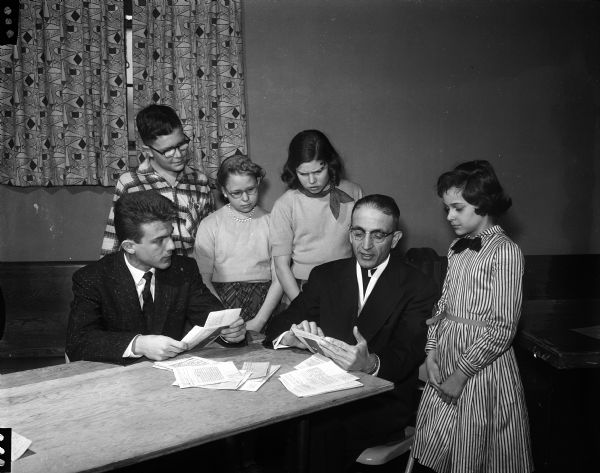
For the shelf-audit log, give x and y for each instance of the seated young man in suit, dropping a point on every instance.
(372, 309)
(136, 302)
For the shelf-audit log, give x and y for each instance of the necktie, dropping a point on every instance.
(366, 277)
(464, 243)
(148, 308)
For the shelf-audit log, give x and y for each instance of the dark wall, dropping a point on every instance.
(405, 90)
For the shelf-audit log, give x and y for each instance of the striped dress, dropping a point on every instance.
(488, 429)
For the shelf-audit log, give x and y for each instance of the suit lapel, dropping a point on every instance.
(125, 291)
(345, 300)
(382, 301)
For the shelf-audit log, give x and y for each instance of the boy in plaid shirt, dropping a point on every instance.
(164, 170)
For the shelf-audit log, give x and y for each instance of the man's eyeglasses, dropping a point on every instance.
(358, 234)
(170, 152)
(238, 194)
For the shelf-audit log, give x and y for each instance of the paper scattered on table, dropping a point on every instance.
(319, 379)
(215, 322)
(593, 331)
(232, 384)
(255, 384)
(20, 445)
(199, 376)
(314, 360)
(309, 339)
(257, 369)
(191, 361)
(197, 372)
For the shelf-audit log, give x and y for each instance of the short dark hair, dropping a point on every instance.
(381, 202)
(238, 164)
(307, 146)
(479, 185)
(133, 210)
(156, 120)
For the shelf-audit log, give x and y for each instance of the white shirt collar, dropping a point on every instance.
(137, 274)
(363, 296)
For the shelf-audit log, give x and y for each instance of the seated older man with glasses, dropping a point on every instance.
(164, 169)
(371, 309)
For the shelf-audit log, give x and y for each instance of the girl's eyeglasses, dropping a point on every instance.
(238, 194)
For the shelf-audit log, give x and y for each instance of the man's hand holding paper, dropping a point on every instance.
(226, 323)
(350, 357)
(294, 337)
(157, 347)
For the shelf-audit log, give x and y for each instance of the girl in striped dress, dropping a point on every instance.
(472, 416)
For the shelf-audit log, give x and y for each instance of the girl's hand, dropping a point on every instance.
(254, 325)
(433, 369)
(451, 389)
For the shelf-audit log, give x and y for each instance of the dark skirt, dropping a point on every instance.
(249, 296)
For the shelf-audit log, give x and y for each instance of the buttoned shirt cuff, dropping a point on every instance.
(129, 350)
(377, 366)
(277, 342)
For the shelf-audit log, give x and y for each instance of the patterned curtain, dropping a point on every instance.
(62, 95)
(188, 54)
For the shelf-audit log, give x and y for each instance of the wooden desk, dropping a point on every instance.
(93, 416)
(561, 385)
(546, 331)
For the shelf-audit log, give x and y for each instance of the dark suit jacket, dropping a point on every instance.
(106, 314)
(392, 321)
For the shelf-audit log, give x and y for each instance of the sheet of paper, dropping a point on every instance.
(191, 361)
(232, 384)
(197, 376)
(215, 322)
(310, 340)
(255, 384)
(290, 386)
(201, 336)
(313, 360)
(222, 318)
(258, 369)
(20, 445)
(322, 378)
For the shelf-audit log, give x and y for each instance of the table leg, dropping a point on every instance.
(303, 452)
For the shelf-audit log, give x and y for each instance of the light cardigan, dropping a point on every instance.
(304, 228)
(231, 250)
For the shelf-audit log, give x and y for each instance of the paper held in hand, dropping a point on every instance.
(215, 322)
(309, 339)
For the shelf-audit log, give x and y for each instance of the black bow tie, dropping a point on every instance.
(464, 243)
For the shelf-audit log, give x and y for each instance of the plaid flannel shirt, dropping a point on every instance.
(191, 195)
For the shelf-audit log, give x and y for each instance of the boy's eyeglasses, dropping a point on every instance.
(170, 152)
(358, 234)
(238, 194)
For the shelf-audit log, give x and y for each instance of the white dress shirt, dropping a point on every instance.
(140, 282)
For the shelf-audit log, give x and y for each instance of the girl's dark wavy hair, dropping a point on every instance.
(307, 146)
(238, 164)
(479, 186)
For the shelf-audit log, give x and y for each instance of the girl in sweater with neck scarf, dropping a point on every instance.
(309, 222)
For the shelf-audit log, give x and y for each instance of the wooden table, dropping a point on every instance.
(546, 330)
(94, 416)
